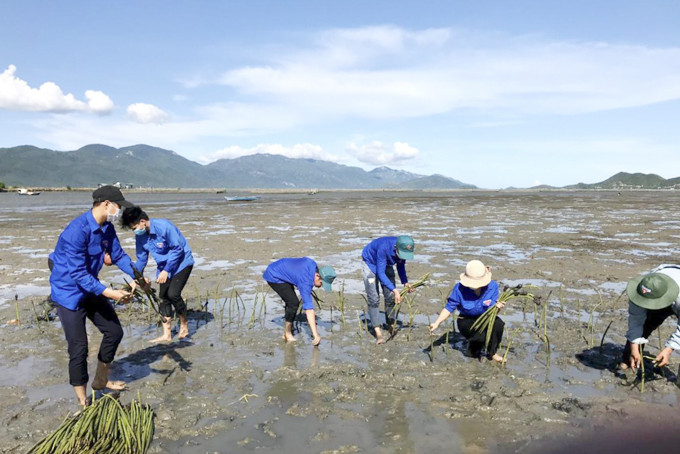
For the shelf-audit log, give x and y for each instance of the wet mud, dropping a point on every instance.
(234, 386)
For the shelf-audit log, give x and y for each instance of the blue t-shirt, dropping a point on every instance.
(468, 303)
(79, 256)
(381, 253)
(297, 271)
(167, 246)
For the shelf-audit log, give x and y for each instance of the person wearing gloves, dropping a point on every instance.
(379, 257)
(472, 296)
(78, 294)
(170, 250)
(284, 275)
(653, 298)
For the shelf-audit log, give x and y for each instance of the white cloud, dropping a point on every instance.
(188, 134)
(377, 153)
(146, 113)
(388, 72)
(98, 101)
(16, 94)
(302, 150)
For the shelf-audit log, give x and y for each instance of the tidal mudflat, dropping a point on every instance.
(233, 386)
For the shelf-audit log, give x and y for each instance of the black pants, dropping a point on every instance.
(287, 293)
(478, 339)
(654, 319)
(101, 313)
(170, 293)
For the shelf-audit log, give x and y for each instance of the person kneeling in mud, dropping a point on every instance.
(380, 256)
(174, 261)
(472, 296)
(653, 298)
(285, 274)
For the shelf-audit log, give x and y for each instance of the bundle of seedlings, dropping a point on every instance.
(105, 427)
(404, 292)
(487, 319)
(419, 283)
(142, 290)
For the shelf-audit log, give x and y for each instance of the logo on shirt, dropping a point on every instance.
(160, 245)
(487, 302)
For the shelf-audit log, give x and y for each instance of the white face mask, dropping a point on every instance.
(115, 216)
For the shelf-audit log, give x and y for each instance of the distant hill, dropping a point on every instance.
(146, 166)
(435, 182)
(275, 171)
(543, 186)
(386, 176)
(623, 180)
(93, 164)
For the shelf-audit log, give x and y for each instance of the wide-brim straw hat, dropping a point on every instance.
(476, 275)
(652, 291)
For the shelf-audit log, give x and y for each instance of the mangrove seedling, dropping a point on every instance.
(487, 319)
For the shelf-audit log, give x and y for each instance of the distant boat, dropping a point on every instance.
(247, 198)
(313, 191)
(24, 191)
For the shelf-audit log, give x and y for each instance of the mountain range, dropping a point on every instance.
(146, 166)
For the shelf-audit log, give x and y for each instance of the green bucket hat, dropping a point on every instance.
(405, 246)
(652, 291)
(328, 275)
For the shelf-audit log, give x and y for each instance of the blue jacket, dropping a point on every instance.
(167, 246)
(297, 271)
(381, 253)
(468, 303)
(79, 256)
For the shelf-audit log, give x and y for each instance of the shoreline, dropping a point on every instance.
(313, 191)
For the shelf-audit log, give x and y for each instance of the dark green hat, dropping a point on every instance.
(328, 275)
(652, 291)
(405, 247)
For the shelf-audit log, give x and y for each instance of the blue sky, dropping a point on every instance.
(494, 93)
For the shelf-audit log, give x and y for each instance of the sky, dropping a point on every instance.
(494, 93)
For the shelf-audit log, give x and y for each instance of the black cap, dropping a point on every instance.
(112, 194)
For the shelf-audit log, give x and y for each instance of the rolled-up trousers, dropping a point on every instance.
(100, 311)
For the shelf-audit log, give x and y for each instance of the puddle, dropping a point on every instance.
(21, 291)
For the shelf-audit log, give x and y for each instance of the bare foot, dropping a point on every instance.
(183, 331)
(116, 385)
(289, 337)
(160, 339)
(498, 358)
(380, 340)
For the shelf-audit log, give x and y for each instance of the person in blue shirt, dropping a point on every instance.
(472, 296)
(284, 275)
(174, 262)
(379, 257)
(77, 293)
